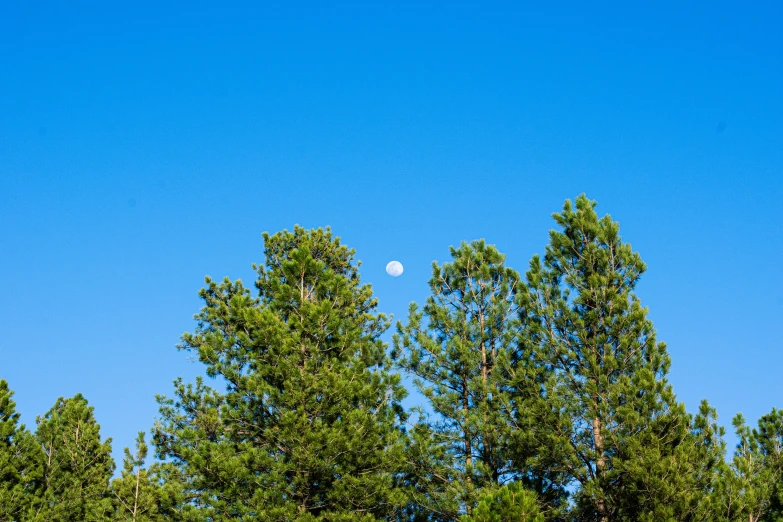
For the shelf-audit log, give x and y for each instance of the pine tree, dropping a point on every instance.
(621, 436)
(457, 347)
(769, 437)
(136, 493)
(751, 485)
(309, 426)
(77, 464)
(20, 463)
(703, 460)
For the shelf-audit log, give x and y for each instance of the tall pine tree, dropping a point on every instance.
(309, 425)
(458, 348)
(620, 434)
(21, 463)
(77, 464)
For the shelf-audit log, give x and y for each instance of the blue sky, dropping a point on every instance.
(144, 146)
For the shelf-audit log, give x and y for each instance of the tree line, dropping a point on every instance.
(547, 399)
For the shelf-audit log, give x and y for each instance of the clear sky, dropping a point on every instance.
(145, 145)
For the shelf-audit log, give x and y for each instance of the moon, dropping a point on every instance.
(394, 268)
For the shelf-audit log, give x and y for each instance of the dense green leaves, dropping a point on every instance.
(21, 463)
(751, 484)
(454, 355)
(471, 361)
(619, 431)
(509, 503)
(309, 425)
(136, 494)
(77, 464)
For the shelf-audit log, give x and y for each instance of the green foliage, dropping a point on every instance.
(509, 503)
(136, 493)
(549, 401)
(177, 499)
(77, 464)
(21, 463)
(769, 437)
(433, 485)
(703, 460)
(456, 357)
(619, 431)
(309, 426)
(751, 485)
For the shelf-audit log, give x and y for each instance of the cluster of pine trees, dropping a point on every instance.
(546, 400)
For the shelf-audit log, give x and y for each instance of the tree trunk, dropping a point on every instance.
(136, 495)
(468, 448)
(600, 464)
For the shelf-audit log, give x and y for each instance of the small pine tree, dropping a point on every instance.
(509, 503)
(77, 464)
(750, 486)
(703, 461)
(20, 463)
(136, 493)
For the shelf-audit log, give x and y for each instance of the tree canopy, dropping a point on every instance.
(544, 398)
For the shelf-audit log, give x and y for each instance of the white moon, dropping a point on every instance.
(394, 268)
